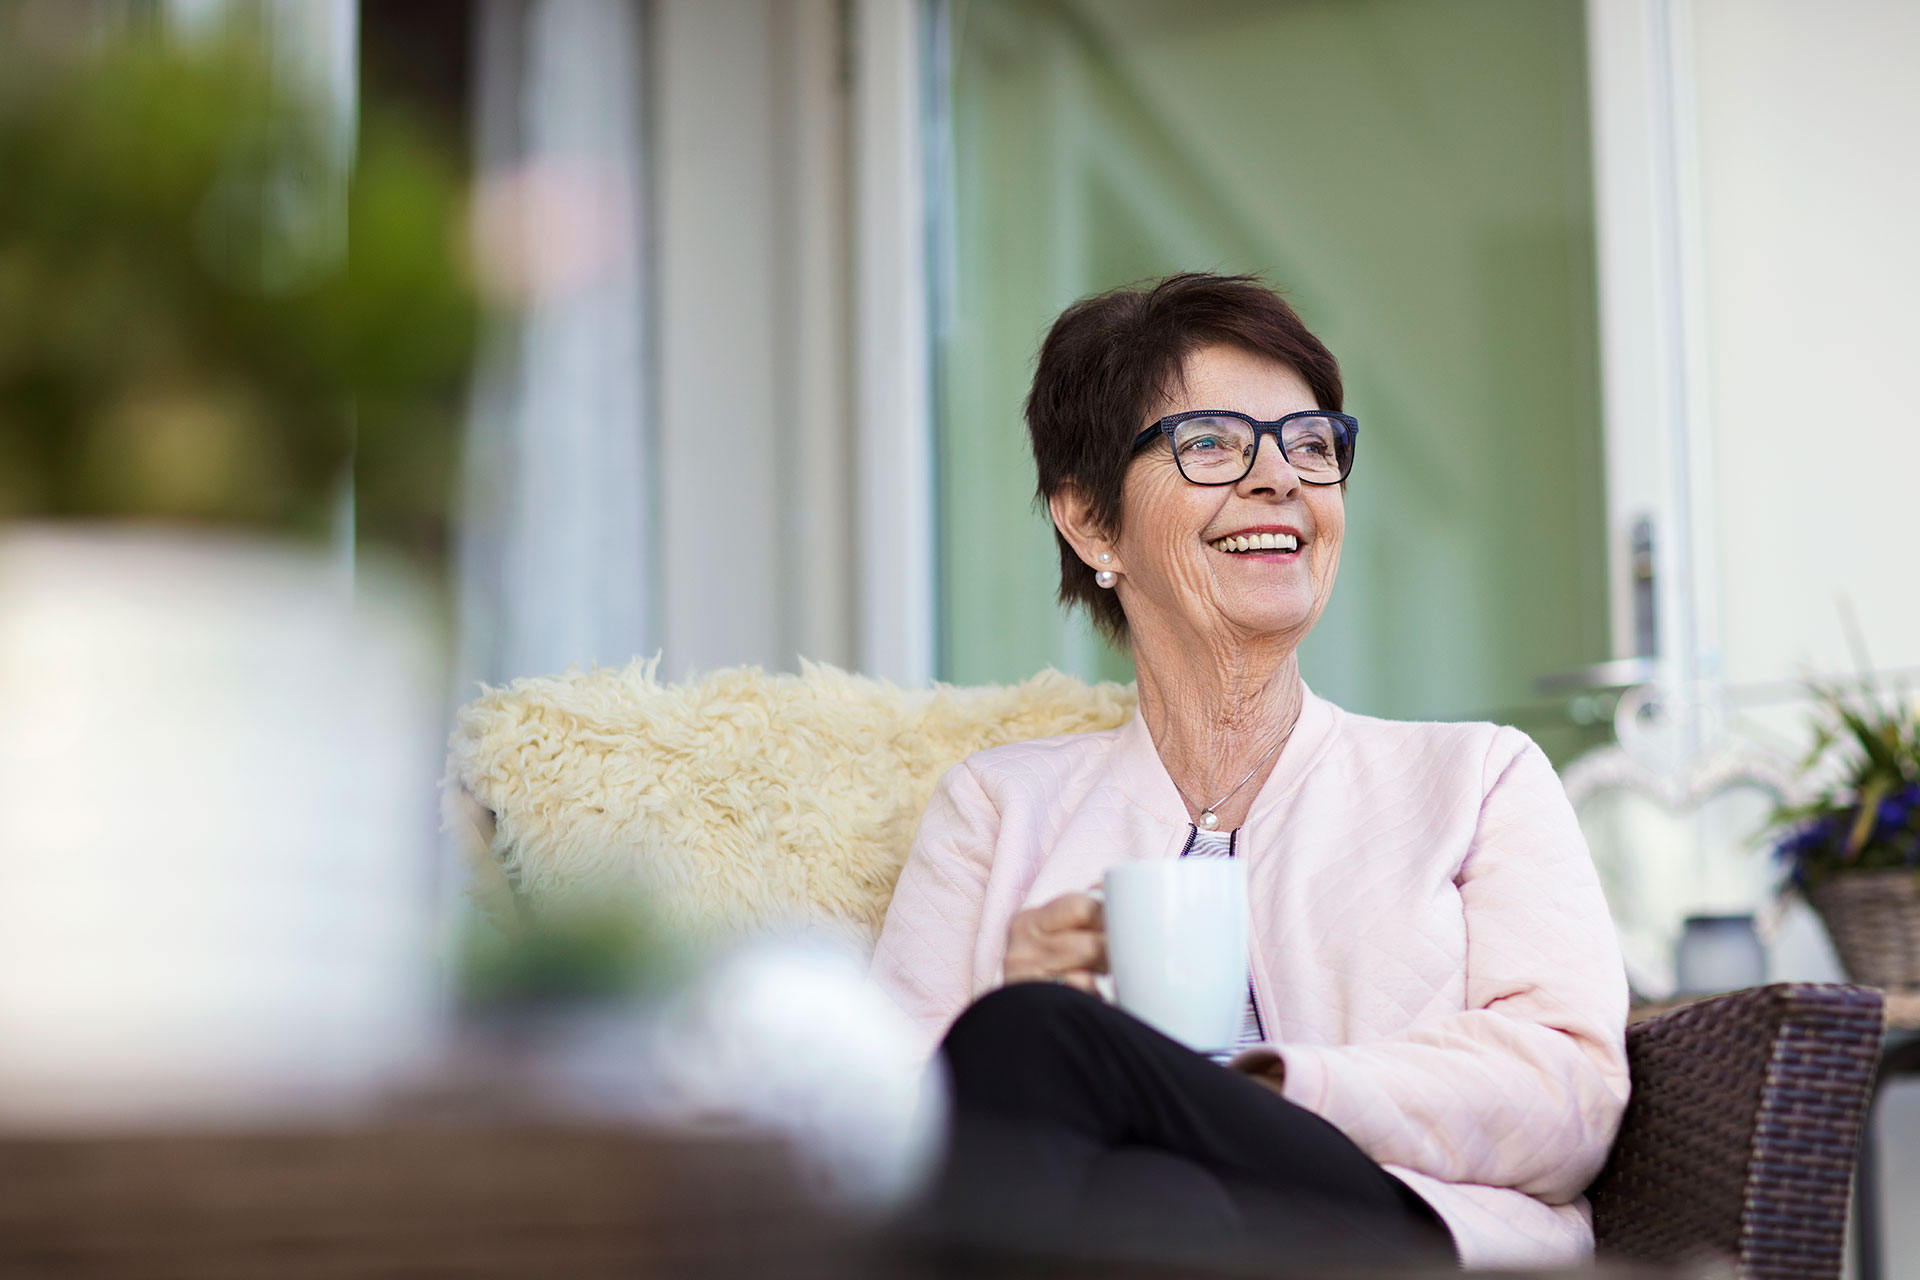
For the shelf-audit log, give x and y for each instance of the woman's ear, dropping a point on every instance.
(1074, 519)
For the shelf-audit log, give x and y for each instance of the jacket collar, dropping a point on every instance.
(1146, 785)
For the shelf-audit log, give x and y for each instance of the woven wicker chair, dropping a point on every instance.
(1740, 1140)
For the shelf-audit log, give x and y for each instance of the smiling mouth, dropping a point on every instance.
(1241, 544)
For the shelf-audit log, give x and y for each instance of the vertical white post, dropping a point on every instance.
(1657, 421)
(1658, 425)
(893, 438)
(812, 234)
(1694, 595)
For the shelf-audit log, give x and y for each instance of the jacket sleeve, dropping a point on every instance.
(1525, 1087)
(924, 960)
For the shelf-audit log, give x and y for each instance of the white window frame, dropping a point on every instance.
(893, 429)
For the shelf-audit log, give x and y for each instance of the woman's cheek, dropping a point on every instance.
(1329, 568)
(1189, 573)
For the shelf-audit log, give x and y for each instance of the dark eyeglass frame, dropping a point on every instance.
(1167, 425)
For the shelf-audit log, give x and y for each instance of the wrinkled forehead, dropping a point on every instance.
(1229, 377)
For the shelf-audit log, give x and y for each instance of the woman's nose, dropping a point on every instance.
(1271, 472)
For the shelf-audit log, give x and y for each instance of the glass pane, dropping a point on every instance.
(1415, 176)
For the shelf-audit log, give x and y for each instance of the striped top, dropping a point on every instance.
(1219, 844)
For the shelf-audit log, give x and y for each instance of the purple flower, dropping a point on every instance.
(1897, 808)
(1806, 839)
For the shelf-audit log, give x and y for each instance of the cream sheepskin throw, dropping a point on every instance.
(737, 800)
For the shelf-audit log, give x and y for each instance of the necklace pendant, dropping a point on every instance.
(1209, 820)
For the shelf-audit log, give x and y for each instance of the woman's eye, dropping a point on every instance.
(1205, 443)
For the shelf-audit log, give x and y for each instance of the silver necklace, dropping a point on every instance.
(1208, 818)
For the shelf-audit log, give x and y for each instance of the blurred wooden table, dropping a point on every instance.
(1903, 1011)
(514, 1199)
(509, 1200)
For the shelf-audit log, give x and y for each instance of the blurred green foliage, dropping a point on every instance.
(198, 324)
(576, 952)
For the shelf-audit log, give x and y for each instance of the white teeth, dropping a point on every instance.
(1257, 542)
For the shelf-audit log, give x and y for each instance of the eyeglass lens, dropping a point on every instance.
(1220, 450)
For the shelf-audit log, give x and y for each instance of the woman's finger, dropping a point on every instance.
(1059, 937)
(1081, 949)
(1079, 980)
(1076, 952)
(1070, 911)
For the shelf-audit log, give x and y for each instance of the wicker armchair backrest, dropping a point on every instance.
(1739, 1141)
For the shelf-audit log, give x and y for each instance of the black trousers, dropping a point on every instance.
(1079, 1128)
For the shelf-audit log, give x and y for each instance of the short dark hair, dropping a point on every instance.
(1106, 364)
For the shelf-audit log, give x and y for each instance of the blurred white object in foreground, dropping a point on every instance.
(785, 1035)
(217, 830)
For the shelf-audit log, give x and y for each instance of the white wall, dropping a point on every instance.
(1809, 113)
(1757, 204)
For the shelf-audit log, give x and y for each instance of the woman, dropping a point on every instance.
(1434, 1061)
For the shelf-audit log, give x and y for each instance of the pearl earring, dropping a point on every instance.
(1106, 577)
(1106, 557)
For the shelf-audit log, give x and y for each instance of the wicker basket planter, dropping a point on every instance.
(1873, 918)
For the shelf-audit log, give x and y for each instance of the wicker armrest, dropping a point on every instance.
(1740, 1138)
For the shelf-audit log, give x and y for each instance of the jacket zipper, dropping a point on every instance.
(1253, 997)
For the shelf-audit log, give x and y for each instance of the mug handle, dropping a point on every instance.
(1102, 982)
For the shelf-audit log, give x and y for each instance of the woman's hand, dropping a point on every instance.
(1064, 940)
(1265, 1066)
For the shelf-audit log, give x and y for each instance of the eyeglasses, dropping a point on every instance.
(1217, 446)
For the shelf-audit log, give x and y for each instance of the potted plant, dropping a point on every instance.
(1853, 848)
(230, 381)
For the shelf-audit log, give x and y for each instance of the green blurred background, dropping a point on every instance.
(1416, 178)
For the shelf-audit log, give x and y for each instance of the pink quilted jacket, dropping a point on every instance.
(1432, 955)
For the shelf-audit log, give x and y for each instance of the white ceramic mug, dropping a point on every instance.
(1177, 945)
